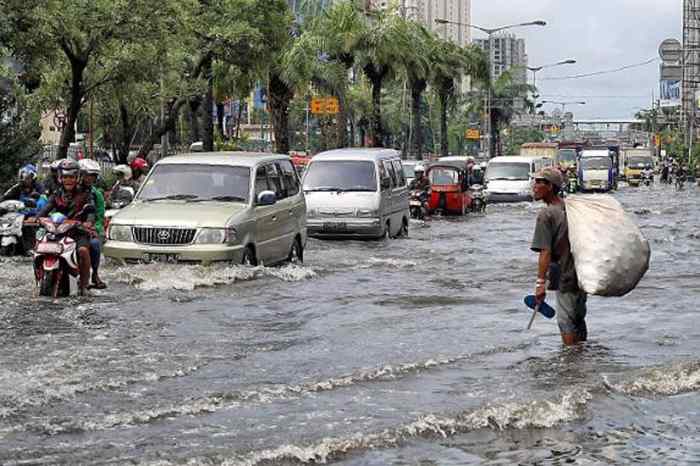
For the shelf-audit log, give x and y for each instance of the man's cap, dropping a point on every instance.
(552, 175)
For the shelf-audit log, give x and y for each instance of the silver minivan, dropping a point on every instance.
(356, 193)
(239, 207)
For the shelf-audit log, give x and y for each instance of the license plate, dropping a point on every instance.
(49, 248)
(154, 257)
(334, 227)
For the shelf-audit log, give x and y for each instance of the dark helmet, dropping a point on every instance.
(69, 167)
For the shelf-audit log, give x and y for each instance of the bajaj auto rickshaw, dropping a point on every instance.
(449, 189)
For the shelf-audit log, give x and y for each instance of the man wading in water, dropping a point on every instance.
(551, 241)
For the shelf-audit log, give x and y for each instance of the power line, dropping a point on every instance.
(599, 73)
(562, 96)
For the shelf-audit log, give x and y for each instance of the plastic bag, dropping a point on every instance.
(610, 253)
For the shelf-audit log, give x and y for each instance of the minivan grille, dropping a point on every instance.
(164, 236)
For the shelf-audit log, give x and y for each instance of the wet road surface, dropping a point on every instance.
(402, 352)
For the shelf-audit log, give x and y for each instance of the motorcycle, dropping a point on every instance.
(572, 183)
(417, 204)
(478, 198)
(680, 182)
(647, 179)
(56, 256)
(11, 224)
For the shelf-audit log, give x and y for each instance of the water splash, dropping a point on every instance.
(678, 378)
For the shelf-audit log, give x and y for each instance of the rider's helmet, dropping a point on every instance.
(420, 168)
(140, 164)
(27, 171)
(57, 218)
(55, 164)
(90, 167)
(122, 171)
(69, 167)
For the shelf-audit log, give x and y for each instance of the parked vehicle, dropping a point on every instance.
(449, 189)
(510, 178)
(596, 171)
(56, 256)
(357, 193)
(11, 223)
(242, 207)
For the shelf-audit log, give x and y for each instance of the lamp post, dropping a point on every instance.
(537, 69)
(490, 32)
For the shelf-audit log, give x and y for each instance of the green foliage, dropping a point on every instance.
(19, 130)
(519, 136)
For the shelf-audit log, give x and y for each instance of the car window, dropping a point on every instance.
(392, 173)
(398, 169)
(289, 177)
(261, 181)
(274, 180)
(384, 174)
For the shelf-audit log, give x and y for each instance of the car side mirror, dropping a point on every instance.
(267, 198)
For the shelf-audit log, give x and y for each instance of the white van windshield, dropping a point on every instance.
(596, 163)
(508, 171)
(340, 175)
(197, 182)
(567, 155)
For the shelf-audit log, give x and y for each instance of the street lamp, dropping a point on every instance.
(490, 32)
(537, 69)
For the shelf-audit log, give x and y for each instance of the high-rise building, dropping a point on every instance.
(457, 12)
(508, 55)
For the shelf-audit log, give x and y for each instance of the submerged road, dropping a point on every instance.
(402, 352)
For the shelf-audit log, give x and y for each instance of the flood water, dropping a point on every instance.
(402, 352)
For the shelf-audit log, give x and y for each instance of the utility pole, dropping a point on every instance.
(164, 137)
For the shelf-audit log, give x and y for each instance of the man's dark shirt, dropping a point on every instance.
(552, 233)
(421, 184)
(76, 205)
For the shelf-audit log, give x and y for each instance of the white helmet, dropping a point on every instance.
(123, 170)
(55, 164)
(419, 167)
(90, 167)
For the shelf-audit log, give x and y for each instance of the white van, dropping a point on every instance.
(510, 179)
(356, 193)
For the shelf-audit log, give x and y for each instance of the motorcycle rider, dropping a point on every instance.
(648, 173)
(52, 184)
(117, 191)
(73, 201)
(665, 172)
(139, 170)
(420, 182)
(681, 176)
(27, 188)
(90, 171)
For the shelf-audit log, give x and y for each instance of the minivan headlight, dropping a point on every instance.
(119, 233)
(367, 213)
(216, 236)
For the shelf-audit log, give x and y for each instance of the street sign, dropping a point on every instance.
(332, 105)
(472, 134)
(325, 105)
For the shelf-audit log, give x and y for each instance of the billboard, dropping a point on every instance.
(670, 93)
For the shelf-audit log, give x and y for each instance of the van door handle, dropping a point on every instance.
(291, 213)
(274, 218)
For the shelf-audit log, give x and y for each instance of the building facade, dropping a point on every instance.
(508, 54)
(458, 12)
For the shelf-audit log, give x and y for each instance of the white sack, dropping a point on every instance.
(610, 252)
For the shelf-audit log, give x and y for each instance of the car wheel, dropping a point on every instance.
(296, 255)
(8, 250)
(249, 257)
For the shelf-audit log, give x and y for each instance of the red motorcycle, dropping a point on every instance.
(56, 255)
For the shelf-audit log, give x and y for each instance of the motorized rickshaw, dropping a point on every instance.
(449, 189)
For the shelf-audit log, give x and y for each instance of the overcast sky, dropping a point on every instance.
(600, 35)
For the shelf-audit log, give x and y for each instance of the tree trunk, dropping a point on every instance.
(126, 133)
(494, 134)
(342, 122)
(193, 116)
(208, 120)
(163, 127)
(220, 120)
(444, 139)
(376, 76)
(279, 96)
(239, 115)
(76, 101)
(417, 88)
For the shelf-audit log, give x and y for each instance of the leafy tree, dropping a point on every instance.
(504, 95)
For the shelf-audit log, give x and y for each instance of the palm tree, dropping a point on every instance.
(379, 51)
(450, 64)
